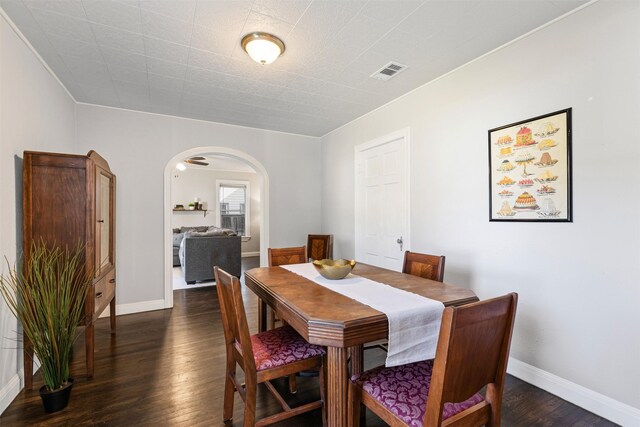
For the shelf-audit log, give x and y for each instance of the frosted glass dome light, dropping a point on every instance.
(263, 48)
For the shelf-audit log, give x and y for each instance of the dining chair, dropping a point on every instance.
(319, 246)
(284, 256)
(423, 265)
(263, 357)
(472, 352)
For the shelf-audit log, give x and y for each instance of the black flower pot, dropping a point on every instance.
(56, 400)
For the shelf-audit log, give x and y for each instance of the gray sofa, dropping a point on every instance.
(200, 251)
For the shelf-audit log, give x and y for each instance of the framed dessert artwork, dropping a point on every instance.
(530, 170)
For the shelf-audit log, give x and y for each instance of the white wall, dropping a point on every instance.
(36, 113)
(578, 315)
(185, 186)
(138, 146)
(201, 183)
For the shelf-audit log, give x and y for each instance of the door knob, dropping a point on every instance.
(400, 241)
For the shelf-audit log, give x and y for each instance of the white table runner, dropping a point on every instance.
(414, 320)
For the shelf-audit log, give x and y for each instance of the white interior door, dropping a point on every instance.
(382, 201)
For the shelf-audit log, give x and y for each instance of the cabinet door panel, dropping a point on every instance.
(104, 218)
(59, 211)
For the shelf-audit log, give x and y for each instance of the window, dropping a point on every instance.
(234, 206)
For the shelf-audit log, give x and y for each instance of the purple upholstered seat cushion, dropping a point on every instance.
(404, 390)
(280, 346)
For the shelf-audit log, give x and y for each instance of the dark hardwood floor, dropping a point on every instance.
(166, 368)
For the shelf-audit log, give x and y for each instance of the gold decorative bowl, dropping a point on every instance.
(334, 269)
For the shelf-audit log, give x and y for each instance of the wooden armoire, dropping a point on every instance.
(68, 200)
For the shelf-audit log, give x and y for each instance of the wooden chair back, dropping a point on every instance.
(319, 246)
(423, 265)
(234, 322)
(472, 352)
(283, 256)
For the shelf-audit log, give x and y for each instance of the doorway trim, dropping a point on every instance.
(403, 134)
(264, 205)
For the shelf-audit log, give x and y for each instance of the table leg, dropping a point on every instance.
(357, 359)
(356, 354)
(262, 315)
(337, 384)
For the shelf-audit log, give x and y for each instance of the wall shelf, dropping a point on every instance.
(191, 211)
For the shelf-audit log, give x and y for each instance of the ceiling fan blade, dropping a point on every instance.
(196, 162)
(197, 158)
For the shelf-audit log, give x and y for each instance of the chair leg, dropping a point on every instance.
(250, 404)
(293, 386)
(323, 389)
(354, 407)
(229, 392)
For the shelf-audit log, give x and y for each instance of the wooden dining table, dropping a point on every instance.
(338, 322)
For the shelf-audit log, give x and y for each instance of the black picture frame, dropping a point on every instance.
(530, 170)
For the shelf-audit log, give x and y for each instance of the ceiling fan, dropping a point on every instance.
(196, 160)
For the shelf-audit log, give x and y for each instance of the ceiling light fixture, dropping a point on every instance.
(264, 48)
(181, 166)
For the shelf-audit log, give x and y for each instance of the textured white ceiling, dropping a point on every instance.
(183, 57)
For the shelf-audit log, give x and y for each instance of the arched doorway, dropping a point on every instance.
(264, 197)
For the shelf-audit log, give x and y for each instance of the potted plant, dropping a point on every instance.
(48, 298)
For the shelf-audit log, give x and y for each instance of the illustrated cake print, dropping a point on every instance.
(547, 176)
(504, 140)
(524, 157)
(506, 181)
(506, 166)
(506, 210)
(526, 201)
(505, 193)
(524, 138)
(548, 209)
(547, 129)
(523, 160)
(545, 144)
(545, 189)
(505, 152)
(546, 160)
(525, 182)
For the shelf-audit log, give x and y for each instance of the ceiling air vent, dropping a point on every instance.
(390, 70)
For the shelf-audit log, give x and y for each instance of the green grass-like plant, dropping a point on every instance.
(48, 297)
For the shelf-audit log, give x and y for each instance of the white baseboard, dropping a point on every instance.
(248, 254)
(583, 397)
(136, 307)
(11, 390)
